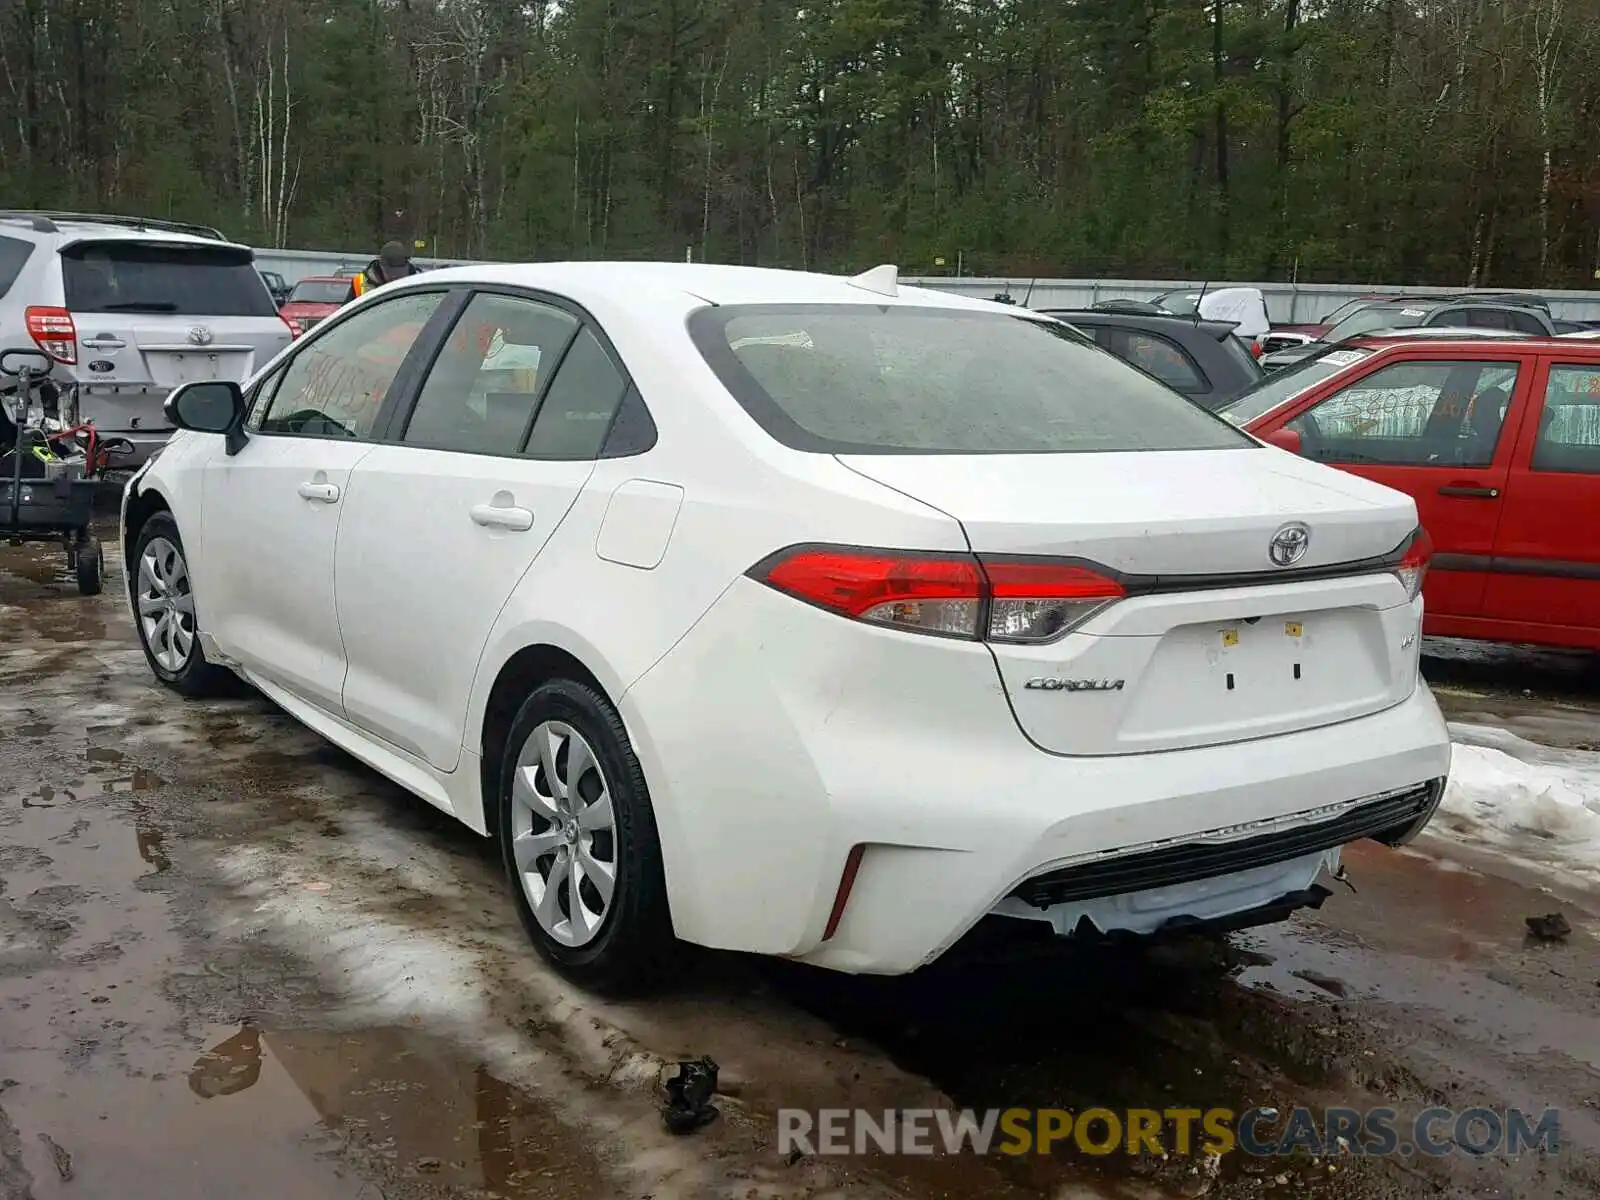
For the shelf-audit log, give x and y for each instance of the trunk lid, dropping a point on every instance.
(1214, 643)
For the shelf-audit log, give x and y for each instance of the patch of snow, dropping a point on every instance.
(1538, 804)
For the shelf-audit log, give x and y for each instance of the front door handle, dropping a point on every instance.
(495, 516)
(327, 493)
(1470, 493)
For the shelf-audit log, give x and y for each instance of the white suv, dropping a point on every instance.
(129, 308)
(794, 614)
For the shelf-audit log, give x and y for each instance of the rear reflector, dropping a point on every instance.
(53, 332)
(949, 595)
(847, 880)
(1414, 566)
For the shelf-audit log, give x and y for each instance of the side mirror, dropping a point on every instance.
(1284, 439)
(209, 406)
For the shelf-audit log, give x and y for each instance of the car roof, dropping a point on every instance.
(1431, 303)
(1441, 339)
(596, 283)
(1152, 321)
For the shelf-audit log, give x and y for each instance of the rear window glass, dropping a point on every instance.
(321, 291)
(1369, 319)
(868, 380)
(1282, 386)
(13, 254)
(149, 277)
(1241, 355)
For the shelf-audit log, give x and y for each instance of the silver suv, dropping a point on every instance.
(129, 308)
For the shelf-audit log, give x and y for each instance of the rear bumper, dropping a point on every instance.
(776, 737)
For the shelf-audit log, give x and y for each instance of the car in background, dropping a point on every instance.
(1203, 360)
(1284, 339)
(1432, 312)
(1496, 438)
(882, 549)
(277, 285)
(314, 298)
(128, 308)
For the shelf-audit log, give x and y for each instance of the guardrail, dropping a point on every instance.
(1287, 303)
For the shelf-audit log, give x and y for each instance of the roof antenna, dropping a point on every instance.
(1197, 301)
(881, 281)
(1028, 295)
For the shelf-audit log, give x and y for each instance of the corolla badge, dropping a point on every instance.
(1047, 684)
(199, 335)
(1289, 544)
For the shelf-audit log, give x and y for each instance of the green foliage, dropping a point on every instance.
(1320, 139)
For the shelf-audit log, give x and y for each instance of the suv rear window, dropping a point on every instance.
(838, 379)
(156, 277)
(320, 291)
(14, 254)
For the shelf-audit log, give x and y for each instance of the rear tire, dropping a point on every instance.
(579, 842)
(91, 567)
(164, 611)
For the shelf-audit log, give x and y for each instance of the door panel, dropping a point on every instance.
(1436, 430)
(1547, 554)
(273, 509)
(439, 530)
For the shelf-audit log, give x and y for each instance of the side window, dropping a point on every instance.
(583, 399)
(335, 386)
(1413, 414)
(1569, 427)
(1157, 356)
(481, 391)
(14, 254)
(1526, 323)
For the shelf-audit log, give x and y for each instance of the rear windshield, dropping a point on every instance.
(1241, 355)
(320, 291)
(1369, 319)
(1283, 386)
(837, 379)
(151, 277)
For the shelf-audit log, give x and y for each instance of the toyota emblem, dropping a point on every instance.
(1288, 545)
(199, 336)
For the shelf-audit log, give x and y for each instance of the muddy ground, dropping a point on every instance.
(235, 963)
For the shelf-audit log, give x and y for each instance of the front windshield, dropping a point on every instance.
(1283, 386)
(1370, 319)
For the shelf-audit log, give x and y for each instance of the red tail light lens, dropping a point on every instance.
(53, 332)
(925, 593)
(1414, 565)
(951, 595)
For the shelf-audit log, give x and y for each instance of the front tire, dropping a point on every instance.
(579, 841)
(164, 611)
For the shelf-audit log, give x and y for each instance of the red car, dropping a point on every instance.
(313, 298)
(1498, 441)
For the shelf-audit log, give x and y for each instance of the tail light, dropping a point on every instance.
(1257, 349)
(1415, 563)
(948, 595)
(53, 332)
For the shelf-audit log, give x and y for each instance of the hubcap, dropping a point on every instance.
(563, 833)
(166, 604)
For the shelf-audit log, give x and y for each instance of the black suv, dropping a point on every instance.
(1201, 359)
(1528, 316)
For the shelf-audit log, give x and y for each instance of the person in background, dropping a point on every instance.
(392, 263)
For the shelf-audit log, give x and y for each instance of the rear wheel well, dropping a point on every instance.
(524, 671)
(141, 507)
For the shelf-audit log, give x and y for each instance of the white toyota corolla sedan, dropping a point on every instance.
(796, 614)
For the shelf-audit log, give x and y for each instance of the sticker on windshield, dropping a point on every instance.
(1413, 312)
(1343, 358)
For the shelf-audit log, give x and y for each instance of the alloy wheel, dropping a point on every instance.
(563, 833)
(166, 604)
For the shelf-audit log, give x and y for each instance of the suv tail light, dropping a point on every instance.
(53, 332)
(1414, 565)
(948, 595)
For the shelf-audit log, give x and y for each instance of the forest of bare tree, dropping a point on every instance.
(1423, 141)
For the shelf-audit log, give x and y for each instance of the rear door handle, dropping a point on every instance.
(1470, 493)
(327, 493)
(493, 516)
